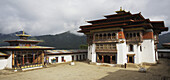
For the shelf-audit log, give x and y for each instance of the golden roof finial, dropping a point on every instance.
(23, 32)
(121, 8)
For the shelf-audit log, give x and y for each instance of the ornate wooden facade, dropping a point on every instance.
(25, 53)
(105, 35)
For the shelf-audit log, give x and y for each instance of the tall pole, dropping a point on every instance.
(23, 59)
(27, 57)
(33, 57)
(102, 59)
(110, 58)
(16, 59)
(42, 58)
(37, 56)
(13, 56)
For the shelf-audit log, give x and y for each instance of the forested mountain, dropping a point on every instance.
(164, 38)
(64, 40)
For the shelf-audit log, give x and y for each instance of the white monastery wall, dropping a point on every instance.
(9, 60)
(157, 55)
(156, 52)
(138, 54)
(136, 51)
(93, 53)
(89, 52)
(121, 52)
(3, 62)
(6, 63)
(148, 54)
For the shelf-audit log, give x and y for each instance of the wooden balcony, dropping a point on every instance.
(105, 40)
(134, 39)
(107, 50)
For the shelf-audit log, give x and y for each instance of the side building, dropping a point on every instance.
(61, 56)
(165, 51)
(23, 53)
(123, 38)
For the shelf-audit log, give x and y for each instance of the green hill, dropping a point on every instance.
(64, 40)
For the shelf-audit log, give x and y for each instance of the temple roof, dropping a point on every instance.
(55, 52)
(22, 40)
(166, 45)
(124, 19)
(23, 34)
(3, 54)
(25, 48)
(164, 50)
(24, 44)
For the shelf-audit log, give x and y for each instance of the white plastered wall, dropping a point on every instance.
(89, 52)
(156, 52)
(139, 54)
(6, 63)
(148, 51)
(3, 62)
(121, 52)
(136, 51)
(67, 58)
(9, 60)
(93, 53)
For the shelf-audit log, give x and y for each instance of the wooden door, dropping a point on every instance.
(77, 57)
(56, 59)
(83, 57)
(62, 59)
(130, 58)
(80, 57)
(72, 58)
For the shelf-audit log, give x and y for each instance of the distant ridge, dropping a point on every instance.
(66, 40)
(164, 38)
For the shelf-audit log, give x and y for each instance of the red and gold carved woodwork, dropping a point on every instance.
(97, 58)
(122, 41)
(33, 58)
(121, 35)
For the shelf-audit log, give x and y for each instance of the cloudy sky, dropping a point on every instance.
(39, 17)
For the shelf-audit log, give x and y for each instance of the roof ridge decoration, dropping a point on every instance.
(23, 34)
(121, 10)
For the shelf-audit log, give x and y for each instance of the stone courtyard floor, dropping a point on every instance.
(85, 71)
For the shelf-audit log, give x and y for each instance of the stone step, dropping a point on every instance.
(131, 65)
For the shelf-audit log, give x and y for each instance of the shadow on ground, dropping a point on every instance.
(159, 72)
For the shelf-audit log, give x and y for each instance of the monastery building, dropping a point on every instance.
(123, 38)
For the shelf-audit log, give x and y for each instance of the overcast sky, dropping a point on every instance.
(39, 17)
